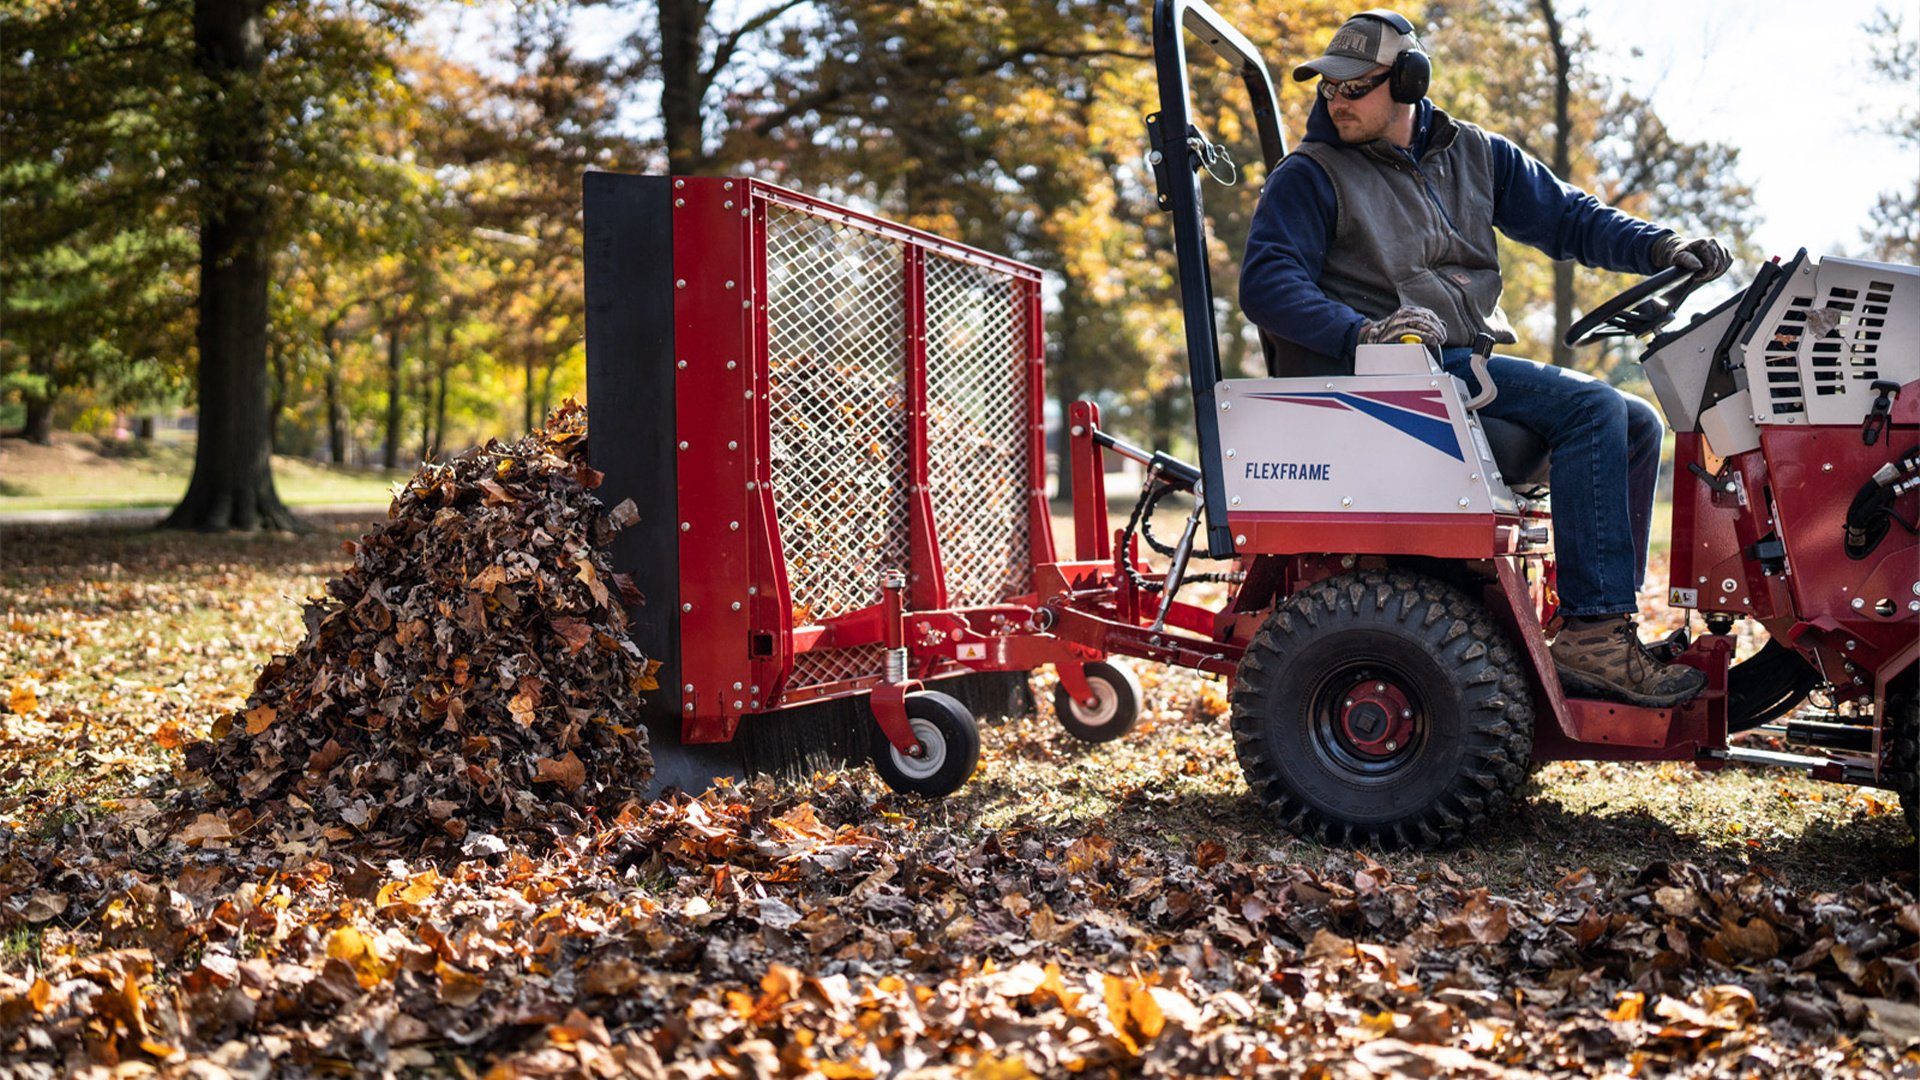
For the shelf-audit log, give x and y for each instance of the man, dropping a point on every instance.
(1382, 223)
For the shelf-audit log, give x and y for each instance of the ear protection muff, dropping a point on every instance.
(1412, 70)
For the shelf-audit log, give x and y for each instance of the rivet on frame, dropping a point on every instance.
(729, 284)
(679, 183)
(733, 444)
(679, 202)
(731, 365)
(728, 185)
(728, 205)
(680, 284)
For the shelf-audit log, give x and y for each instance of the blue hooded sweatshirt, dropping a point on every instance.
(1294, 227)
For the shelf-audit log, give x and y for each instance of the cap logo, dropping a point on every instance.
(1351, 41)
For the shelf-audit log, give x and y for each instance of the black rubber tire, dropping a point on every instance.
(946, 731)
(1117, 696)
(1467, 717)
(1767, 685)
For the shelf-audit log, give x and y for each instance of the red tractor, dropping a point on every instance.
(1391, 680)
(834, 427)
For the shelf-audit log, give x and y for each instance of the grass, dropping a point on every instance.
(20, 946)
(132, 642)
(83, 473)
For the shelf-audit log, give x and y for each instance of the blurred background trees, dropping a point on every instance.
(357, 237)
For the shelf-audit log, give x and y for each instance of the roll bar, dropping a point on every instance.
(1171, 129)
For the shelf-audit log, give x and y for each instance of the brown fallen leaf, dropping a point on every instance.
(206, 828)
(567, 771)
(43, 905)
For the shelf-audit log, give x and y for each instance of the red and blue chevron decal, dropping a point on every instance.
(1419, 413)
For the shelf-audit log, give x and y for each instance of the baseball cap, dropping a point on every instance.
(1362, 43)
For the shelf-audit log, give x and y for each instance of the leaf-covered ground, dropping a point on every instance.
(1114, 909)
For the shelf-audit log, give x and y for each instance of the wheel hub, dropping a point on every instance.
(1376, 718)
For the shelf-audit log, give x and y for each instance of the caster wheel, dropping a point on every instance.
(949, 747)
(1383, 708)
(1115, 708)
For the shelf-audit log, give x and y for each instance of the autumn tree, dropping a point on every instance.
(96, 253)
(274, 84)
(1525, 69)
(1893, 234)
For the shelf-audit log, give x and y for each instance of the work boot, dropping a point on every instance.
(1603, 658)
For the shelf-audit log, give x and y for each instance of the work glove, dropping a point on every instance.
(1408, 320)
(1703, 256)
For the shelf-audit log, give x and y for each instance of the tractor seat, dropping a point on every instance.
(1520, 454)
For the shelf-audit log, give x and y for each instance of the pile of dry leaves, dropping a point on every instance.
(471, 669)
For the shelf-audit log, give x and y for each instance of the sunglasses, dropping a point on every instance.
(1353, 89)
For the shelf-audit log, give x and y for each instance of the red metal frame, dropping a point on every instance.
(737, 629)
(720, 457)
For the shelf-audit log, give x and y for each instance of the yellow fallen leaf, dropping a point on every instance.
(260, 719)
(1628, 1006)
(1145, 1013)
(357, 951)
(458, 988)
(22, 699)
(415, 890)
(170, 737)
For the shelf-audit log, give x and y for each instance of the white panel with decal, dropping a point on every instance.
(1380, 444)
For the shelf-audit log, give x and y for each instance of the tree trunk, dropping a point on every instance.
(681, 85)
(1562, 166)
(427, 363)
(546, 390)
(1161, 416)
(232, 485)
(390, 455)
(527, 415)
(39, 425)
(336, 419)
(442, 368)
(440, 414)
(277, 400)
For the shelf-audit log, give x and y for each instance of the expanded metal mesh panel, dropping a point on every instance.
(837, 665)
(977, 439)
(836, 325)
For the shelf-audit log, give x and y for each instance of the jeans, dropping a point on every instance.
(1604, 448)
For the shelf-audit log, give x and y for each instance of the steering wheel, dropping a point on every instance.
(1639, 310)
